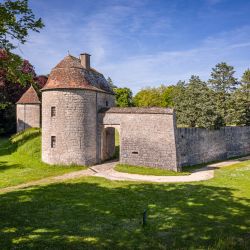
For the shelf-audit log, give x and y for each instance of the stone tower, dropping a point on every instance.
(28, 110)
(71, 99)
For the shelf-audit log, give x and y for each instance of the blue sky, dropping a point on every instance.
(141, 43)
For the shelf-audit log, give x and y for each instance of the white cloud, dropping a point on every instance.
(167, 67)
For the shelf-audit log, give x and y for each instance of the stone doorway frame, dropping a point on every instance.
(104, 155)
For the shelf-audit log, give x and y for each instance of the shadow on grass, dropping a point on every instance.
(95, 215)
(5, 166)
(8, 146)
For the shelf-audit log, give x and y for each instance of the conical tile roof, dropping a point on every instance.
(70, 74)
(29, 97)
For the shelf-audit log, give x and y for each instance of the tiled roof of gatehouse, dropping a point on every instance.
(29, 97)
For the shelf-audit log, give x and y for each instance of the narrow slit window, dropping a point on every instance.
(135, 152)
(107, 103)
(53, 111)
(53, 141)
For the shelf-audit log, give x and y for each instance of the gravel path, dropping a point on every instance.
(106, 170)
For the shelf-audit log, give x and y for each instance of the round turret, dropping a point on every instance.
(70, 102)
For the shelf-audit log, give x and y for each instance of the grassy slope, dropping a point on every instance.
(146, 170)
(20, 160)
(93, 213)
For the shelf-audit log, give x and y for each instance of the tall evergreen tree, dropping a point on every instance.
(222, 78)
(239, 108)
(246, 78)
(223, 83)
(194, 105)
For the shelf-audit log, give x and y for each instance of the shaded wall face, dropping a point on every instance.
(28, 116)
(196, 145)
(145, 139)
(105, 100)
(73, 127)
(108, 143)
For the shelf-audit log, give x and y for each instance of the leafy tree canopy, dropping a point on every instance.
(16, 75)
(16, 20)
(148, 97)
(123, 97)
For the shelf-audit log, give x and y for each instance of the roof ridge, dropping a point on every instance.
(29, 97)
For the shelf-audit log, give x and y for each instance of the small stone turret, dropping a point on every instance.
(28, 110)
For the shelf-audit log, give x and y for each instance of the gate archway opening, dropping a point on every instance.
(110, 146)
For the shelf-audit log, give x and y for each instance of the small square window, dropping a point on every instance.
(53, 141)
(53, 111)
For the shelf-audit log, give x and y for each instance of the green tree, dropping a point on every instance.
(239, 107)
(222, 78)
(223, 83)
(16, 20)
(162, 96)
(194, 105)
(123, 97)
(149, 97)
(239, 103)
(16, 75)
(246, 77)
(168, 96)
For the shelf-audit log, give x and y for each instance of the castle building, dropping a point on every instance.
(79, 121)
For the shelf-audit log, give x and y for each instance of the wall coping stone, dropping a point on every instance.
(136, 110)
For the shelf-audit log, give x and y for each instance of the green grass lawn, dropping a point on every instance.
(125, 168)
(94, 213)
(20, 160)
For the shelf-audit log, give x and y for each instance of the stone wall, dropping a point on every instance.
(147, 136)
(196, 145)
(28, 116)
